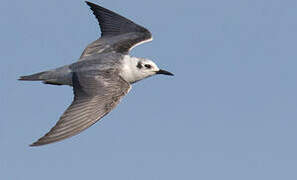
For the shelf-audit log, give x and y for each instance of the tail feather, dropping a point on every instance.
(34, 77)
(52, 77)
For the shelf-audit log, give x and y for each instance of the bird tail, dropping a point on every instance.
(47, 77)
(35, 77)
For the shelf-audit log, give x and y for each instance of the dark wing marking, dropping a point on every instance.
(94, 97)
(117, 32)
(111, 23)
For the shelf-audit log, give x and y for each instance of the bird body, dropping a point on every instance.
(101, 76)
(124, 65)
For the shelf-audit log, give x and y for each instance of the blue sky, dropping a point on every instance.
(230, 111)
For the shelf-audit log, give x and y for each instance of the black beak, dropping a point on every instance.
(161, 71)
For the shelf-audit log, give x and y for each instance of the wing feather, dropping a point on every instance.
(118, 33)
(94, 97)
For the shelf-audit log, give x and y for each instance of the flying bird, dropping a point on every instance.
(102, 75)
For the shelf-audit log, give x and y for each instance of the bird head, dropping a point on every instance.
(148, 68)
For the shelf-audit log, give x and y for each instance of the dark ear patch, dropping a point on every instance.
(139, 66)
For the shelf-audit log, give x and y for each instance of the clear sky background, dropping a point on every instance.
(230, 111)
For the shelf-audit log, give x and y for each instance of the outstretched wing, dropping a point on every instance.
(118, 33)
(94, 97)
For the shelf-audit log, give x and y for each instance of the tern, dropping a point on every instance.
(102, 75)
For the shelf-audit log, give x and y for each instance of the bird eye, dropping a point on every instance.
(148, 66)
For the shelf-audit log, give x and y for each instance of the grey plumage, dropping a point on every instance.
(97, 90)
(101, 77)
(93, 98)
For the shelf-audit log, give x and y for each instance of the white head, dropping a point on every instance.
(135, 69)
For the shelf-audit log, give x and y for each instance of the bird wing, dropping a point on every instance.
(118, 33)
(94, 97)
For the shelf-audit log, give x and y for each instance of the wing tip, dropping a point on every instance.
(39, 142)
(42, 143)
(88, 3)
(92, 5)
(35, 144)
